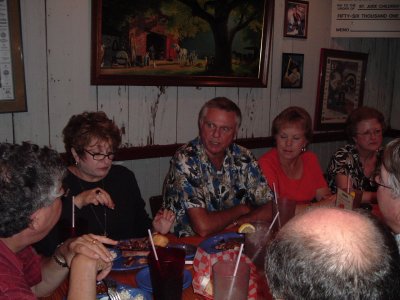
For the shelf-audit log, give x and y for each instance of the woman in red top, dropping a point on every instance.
(294, 171)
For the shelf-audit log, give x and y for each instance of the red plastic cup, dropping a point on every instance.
(166, 273)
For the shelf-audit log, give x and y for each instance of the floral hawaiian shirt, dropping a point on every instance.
(193, 181)
(346, 161)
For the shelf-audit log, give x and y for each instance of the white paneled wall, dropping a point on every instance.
(56, 41)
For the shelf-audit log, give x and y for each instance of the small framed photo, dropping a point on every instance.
(296, 19)
(340, 88)
(292, 70)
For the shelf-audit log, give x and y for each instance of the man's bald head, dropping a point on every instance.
(333, 253)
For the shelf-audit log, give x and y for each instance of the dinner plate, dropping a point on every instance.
(143, 280)
(119, 263)
(116, 253)
(127, 292)
(190, 249)
(141, 261)
(209, 244)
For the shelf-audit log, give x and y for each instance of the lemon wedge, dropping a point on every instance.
(353, 194)
(246, 228)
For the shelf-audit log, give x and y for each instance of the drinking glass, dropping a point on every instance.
(287, 210)
(227, 286)
(166, 273)
(255, 243)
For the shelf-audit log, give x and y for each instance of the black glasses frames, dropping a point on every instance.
(100, 156)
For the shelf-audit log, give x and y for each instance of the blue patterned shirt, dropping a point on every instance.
(193, 181)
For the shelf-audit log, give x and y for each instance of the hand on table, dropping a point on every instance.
(94, 196)
(163, 221)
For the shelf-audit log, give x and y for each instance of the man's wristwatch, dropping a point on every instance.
(59, 259)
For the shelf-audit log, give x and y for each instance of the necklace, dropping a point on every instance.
(103, 226)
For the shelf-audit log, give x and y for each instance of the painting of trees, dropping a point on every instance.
(210, 37)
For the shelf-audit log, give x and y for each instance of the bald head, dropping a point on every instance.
(346, 233)
(332, 253)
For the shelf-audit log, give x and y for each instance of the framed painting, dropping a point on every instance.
(296, 19)
(181, 43)
(341, 87)
(12, 76)
(292, 70)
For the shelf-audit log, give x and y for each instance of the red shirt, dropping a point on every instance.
(301, 190)
(18, 273)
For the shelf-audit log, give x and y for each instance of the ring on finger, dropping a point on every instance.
(94, 241)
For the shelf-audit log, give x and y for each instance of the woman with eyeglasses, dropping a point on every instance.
(104, 198)
(353, 165)
(388, 180)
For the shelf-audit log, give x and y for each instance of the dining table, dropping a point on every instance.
(128, 277)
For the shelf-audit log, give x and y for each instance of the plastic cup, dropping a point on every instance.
(287, 210)
(166, 273)
(255, 243)
(227, 286)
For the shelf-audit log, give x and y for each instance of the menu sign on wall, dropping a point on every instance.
(365, 18)
(6, 76)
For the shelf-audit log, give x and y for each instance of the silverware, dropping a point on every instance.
(113, 295)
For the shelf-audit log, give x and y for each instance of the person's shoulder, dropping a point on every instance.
(120, 170)
(310, 155)
(237, 149)
(190, 147)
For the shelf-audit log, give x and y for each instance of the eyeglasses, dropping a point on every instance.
(376, 180)
(370, 133)
(101, 156)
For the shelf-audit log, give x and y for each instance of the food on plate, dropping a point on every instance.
(160, 240)
(232, 243)
(132, 260)
(209, 288)
(101, 288)
(134, 244)
(130, 253)
(246, 228)
(125, 295)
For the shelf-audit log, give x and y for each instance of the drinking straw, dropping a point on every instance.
(235, 271)
(276, 202)
(348, 184)
(266, 235)
(152, 244)
(238, 260)
(73, 212)
(273, 222)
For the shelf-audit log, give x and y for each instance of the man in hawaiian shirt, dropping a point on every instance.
(212, 182)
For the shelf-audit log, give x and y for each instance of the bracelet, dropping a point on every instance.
(60, 260)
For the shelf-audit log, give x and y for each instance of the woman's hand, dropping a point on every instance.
(90, 245)
(163, 221)
(94, 196)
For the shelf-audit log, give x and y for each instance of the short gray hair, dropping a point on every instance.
(391, 162)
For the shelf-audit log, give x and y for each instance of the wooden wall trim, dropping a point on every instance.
(155, 151)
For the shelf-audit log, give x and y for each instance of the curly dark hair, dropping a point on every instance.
(83, 128)
(361, 114)
(30, 177)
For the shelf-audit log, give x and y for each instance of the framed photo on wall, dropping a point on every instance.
(340, 88)
(12, 75)
(296, 19)
(292, 70)
(149, 43)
